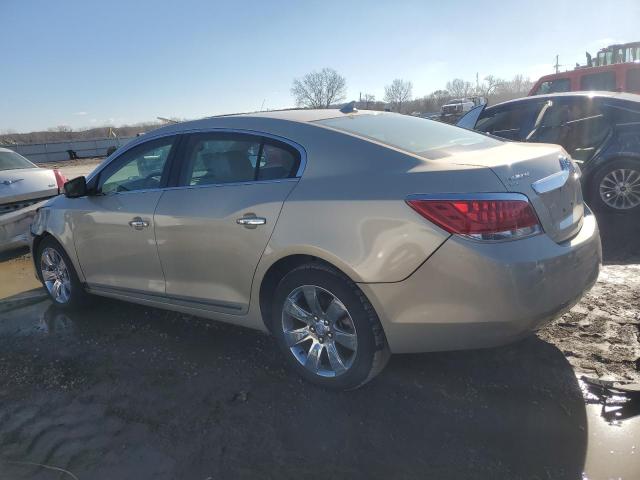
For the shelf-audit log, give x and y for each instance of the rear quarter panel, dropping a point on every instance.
(349, 206)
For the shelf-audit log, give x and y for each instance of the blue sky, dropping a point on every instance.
(88, 62)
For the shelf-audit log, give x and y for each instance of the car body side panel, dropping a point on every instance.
(205, 253)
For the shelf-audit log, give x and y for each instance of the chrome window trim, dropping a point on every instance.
(300, 149)
(470, 196)
(231, 184)
(185, 187)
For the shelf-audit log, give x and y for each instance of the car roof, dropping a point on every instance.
(250, 120)
(630, 97)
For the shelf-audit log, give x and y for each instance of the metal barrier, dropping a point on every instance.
(58, 151)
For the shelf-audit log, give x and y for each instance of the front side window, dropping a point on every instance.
(554, 86)
(140, 168)
(510, 121)
(218, 158)
(599, 81)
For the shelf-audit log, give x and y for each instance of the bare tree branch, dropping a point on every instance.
(319, 89)
(398, 93)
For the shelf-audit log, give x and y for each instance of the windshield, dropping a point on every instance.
(11, 161)
(428, 138)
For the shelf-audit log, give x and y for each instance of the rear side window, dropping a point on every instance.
(219, 158)
(277, 160)
(214, 158)
(598, 81)
(633, 80)
(412, 134)
(554, 86)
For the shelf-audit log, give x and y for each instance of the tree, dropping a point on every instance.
(459, 88)
(440, 97)
(367, 100)
(319, 89)
(488, 86)
(398, 92)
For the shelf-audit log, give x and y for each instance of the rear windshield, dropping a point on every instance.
(428, 138)
(12, 161)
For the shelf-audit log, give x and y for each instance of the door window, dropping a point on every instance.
(140, 168)
(214, 158)
(277, 161)
(554, 86)
(511, 121)
(578, 125)
(218, 158)
(599, 81)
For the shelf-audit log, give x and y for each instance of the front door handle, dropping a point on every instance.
(251, 221)
(138, 223)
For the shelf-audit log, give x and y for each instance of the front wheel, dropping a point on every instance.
(58, 275)
(616, 187)
(327, 329)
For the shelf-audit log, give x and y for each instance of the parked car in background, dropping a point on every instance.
(23, 185)
(600, 130)
(347, 235)
(454, 109)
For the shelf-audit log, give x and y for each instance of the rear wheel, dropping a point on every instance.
(58, 275)
(327, 329)
(616, 187)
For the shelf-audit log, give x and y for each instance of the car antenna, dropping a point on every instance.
(349, 107)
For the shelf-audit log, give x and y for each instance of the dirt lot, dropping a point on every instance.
(123, 391)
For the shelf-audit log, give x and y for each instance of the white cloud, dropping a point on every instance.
(81, 114)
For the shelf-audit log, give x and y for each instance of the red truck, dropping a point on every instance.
(616, 68)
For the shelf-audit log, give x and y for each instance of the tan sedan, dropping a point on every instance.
(347, 235)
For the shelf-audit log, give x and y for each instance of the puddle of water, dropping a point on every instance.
(17, 276)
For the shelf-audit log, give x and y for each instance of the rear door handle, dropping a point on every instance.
(138, 223)
(251, 221)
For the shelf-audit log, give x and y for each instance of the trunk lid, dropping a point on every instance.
(542, 172)
(21, 184)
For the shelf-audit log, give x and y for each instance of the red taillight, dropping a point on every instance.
(480, 218)
(60, 179)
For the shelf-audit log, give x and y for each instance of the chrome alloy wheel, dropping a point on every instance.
(620, 188)
(55, 275)
(319, 331)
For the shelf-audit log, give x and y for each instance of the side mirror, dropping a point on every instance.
(76, 187)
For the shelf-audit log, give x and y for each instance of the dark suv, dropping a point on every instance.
(600, 130)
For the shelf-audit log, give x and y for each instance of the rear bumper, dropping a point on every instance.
(473, 295)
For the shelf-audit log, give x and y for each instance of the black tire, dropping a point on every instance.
(595, 197)
(372, 351)
(77, 297)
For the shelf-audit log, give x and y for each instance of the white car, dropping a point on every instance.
(23, 186)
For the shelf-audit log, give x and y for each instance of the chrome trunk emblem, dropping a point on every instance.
(10, 182)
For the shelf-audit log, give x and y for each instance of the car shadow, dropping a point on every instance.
(13, 253)
(620, 235)
(195, 399)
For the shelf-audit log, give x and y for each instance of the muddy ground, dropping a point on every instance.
(124, 391)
